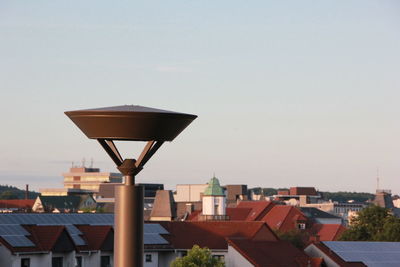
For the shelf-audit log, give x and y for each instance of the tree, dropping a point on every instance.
(8, 195)
(373, 224)
(295, 237)
(198, 257)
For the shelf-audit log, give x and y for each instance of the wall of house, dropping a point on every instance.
(166, 257)
(90, 259)
(36, 260)
(154, 259)
(37, 206)
(5, 257)
(68, 258)
(315, 252)
(235, 259)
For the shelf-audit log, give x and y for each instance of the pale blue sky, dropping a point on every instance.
(287, 92)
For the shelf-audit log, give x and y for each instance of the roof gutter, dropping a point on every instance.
(32, 252)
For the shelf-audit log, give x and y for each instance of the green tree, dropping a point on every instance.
(373, 224)
(295, 237)
(198, 257)
(9, 195)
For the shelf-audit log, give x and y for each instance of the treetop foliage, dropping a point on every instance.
(198, 257)
(11, 192)
(373, 224)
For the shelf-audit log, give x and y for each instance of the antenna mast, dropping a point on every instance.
(377, 178)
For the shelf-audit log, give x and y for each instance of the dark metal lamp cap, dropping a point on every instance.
(130, 122)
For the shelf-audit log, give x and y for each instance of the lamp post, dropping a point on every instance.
(130, 123)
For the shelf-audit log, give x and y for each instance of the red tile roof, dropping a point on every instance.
(238, 214)
(267, 253)
(327, 232)
(310, 191)
(183, 235)
(95, 235)
(258, 209)
(16, 203)
(45, 236)
(284, 218)
(194, 215)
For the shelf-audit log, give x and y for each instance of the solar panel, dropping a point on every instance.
(65, 219)
(78, 240)
(154, 228)
(12, 229)
(18, 241)
(370, 253)
(154, 239)
(72, 230)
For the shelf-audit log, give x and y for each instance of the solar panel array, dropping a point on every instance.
(370, 253)
(154, 239)
(57, 218)
(18, 240)
(15, 235)
(10, 226)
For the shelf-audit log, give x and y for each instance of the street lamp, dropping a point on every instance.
(130, 123)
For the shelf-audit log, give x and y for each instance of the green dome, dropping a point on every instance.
(213, 188)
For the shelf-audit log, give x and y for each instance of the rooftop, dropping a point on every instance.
(214, 188)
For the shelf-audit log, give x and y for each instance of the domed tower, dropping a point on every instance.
(214, 200)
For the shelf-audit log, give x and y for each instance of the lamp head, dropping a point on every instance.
(129, 122)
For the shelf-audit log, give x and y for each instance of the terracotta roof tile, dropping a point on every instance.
(283, 217)
(45, 236)
(327, 232)
(183, 235)
(258, 208)
(238, 214)
(16, 203)
(267, 253)
(95, 235)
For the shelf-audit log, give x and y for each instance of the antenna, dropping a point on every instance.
(91, 163)
(377, 178)
(83, 162)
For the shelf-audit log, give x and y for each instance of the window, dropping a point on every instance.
(25, 262)
(57, 262)
(78, 261)
(105, 261)
(148, 258)
(301, 226)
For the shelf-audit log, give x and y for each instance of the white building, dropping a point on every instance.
(189, 192)
(214, 199)
(72, 240)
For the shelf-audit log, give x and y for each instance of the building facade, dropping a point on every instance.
(80, 180)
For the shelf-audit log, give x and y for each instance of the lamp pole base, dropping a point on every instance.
(128, 226)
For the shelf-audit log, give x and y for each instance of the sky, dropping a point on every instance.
(287, 93)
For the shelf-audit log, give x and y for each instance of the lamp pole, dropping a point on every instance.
(130, 123)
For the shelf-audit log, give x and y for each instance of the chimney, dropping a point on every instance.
(26, 191)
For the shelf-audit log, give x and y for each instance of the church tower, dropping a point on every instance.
(214, 199)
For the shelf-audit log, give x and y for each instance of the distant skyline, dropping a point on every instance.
(288, 93)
